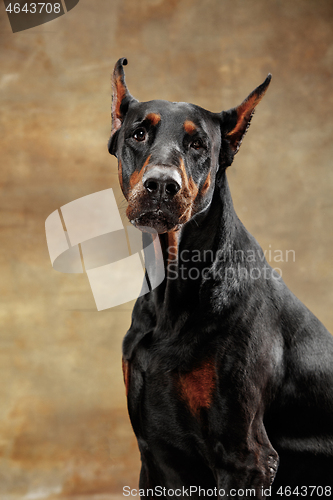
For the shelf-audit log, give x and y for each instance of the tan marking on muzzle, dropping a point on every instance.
(188, 183)
(193, 188)
(206, 185)
(136, 177)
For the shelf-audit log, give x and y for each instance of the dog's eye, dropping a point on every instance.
(140, 134)
(197, 144)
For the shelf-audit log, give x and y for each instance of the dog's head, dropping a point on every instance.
(170, 153)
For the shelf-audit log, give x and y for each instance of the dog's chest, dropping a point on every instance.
(161, 398)
(196, 388)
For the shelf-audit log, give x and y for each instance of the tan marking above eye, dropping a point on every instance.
(190, 127)
(154, 118)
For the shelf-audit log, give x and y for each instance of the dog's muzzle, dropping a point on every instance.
(158, 206)
(162, 183)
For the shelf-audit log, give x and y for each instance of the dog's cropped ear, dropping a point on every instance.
(121, 99)
(236, 121)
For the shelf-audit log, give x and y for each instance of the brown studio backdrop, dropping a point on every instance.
(63, 422)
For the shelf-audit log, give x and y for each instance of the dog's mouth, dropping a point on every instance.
(161, 215)
(156, 221)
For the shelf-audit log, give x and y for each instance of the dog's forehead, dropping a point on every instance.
(176, 112)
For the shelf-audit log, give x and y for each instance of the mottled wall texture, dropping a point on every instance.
(64, 428)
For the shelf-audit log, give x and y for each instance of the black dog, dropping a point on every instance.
(229, 376)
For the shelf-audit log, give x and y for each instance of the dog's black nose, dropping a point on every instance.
(160, 187)
(162, 182)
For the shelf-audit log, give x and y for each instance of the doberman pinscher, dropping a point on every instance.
(229, 377)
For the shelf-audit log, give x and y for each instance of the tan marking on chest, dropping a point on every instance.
(197, 387)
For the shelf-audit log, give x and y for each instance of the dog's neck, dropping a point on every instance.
(214, 244)
(204, 234)
(206, 253)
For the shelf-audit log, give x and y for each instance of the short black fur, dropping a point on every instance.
(229, 375)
